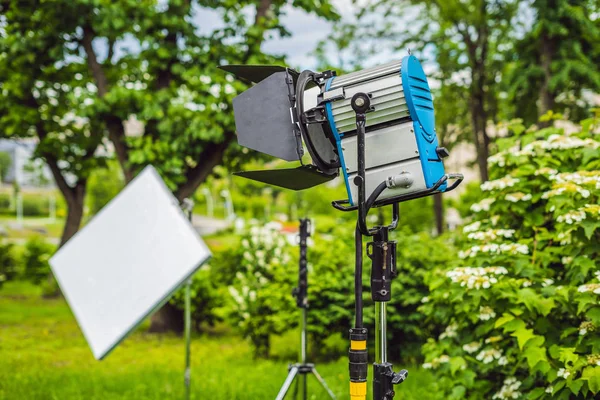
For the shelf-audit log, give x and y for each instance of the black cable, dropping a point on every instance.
(358, 303)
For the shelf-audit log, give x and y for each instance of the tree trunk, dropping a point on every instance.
(479, 122)
(546, 100)
(75, 204)
(438, 209)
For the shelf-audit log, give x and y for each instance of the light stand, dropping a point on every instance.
(382, 253)
(300, 293)
(188, 206)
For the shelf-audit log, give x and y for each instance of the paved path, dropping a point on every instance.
(204, 226)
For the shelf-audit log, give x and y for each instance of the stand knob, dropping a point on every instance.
(399, 377)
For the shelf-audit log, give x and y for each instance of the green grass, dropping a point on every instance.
(43, 355)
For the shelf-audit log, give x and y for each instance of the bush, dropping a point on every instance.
(330, 285)
(522, 311)
(5, 162)
(8, 263)
(35, 259)
(417, 255)
(5, 202)
(205, 298)
(260, 304)
(36, 206)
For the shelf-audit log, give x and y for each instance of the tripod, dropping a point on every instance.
(302, 369)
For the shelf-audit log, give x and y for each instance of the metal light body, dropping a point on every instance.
(400, 135)
(286, 112)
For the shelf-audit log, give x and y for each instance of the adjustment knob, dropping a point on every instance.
(399, 377)
(442, 152)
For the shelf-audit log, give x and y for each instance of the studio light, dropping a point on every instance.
(286, 111)
(378, 127)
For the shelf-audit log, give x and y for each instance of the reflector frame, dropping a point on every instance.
(127, 261)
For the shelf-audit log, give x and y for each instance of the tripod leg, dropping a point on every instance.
(322, 382)
(288, 382)
(296, 384)
(304, 387)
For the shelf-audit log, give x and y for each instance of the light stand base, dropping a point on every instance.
(303, 370)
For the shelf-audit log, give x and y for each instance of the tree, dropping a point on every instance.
(39, 98)
(74, 72)
(556, 60)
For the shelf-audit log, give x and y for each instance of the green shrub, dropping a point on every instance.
(5, 201)
(8, 263)
(330, 285)
(417, 255)
(35, 259)
(260, 304)
(522, 311)
(5, 162)
(205, 298)
(36, 206)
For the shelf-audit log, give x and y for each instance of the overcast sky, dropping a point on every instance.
(306, 30)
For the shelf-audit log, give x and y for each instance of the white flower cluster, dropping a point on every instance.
(590, 287)
(476, 277)
(557, 142)
(263, 247)
(567, 187)
(489, 355)
(572, 217)
(509, 390)
(492, 234)
(471, 347)
(499, 184)
(443, 359)
(591, 178)
(546, 171)
(483, 205)
(498, 159)
(547, 282)
(495, 248)
(594, 359)
(486, 313)
(563, 373)
(585, 327)
(517, 196)
(472, 227)
(449, 332)
(566, 260)
(565, 238)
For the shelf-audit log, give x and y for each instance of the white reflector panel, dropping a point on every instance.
(127, 261)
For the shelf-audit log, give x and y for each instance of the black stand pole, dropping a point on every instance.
(300, 293)
(382, 253)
